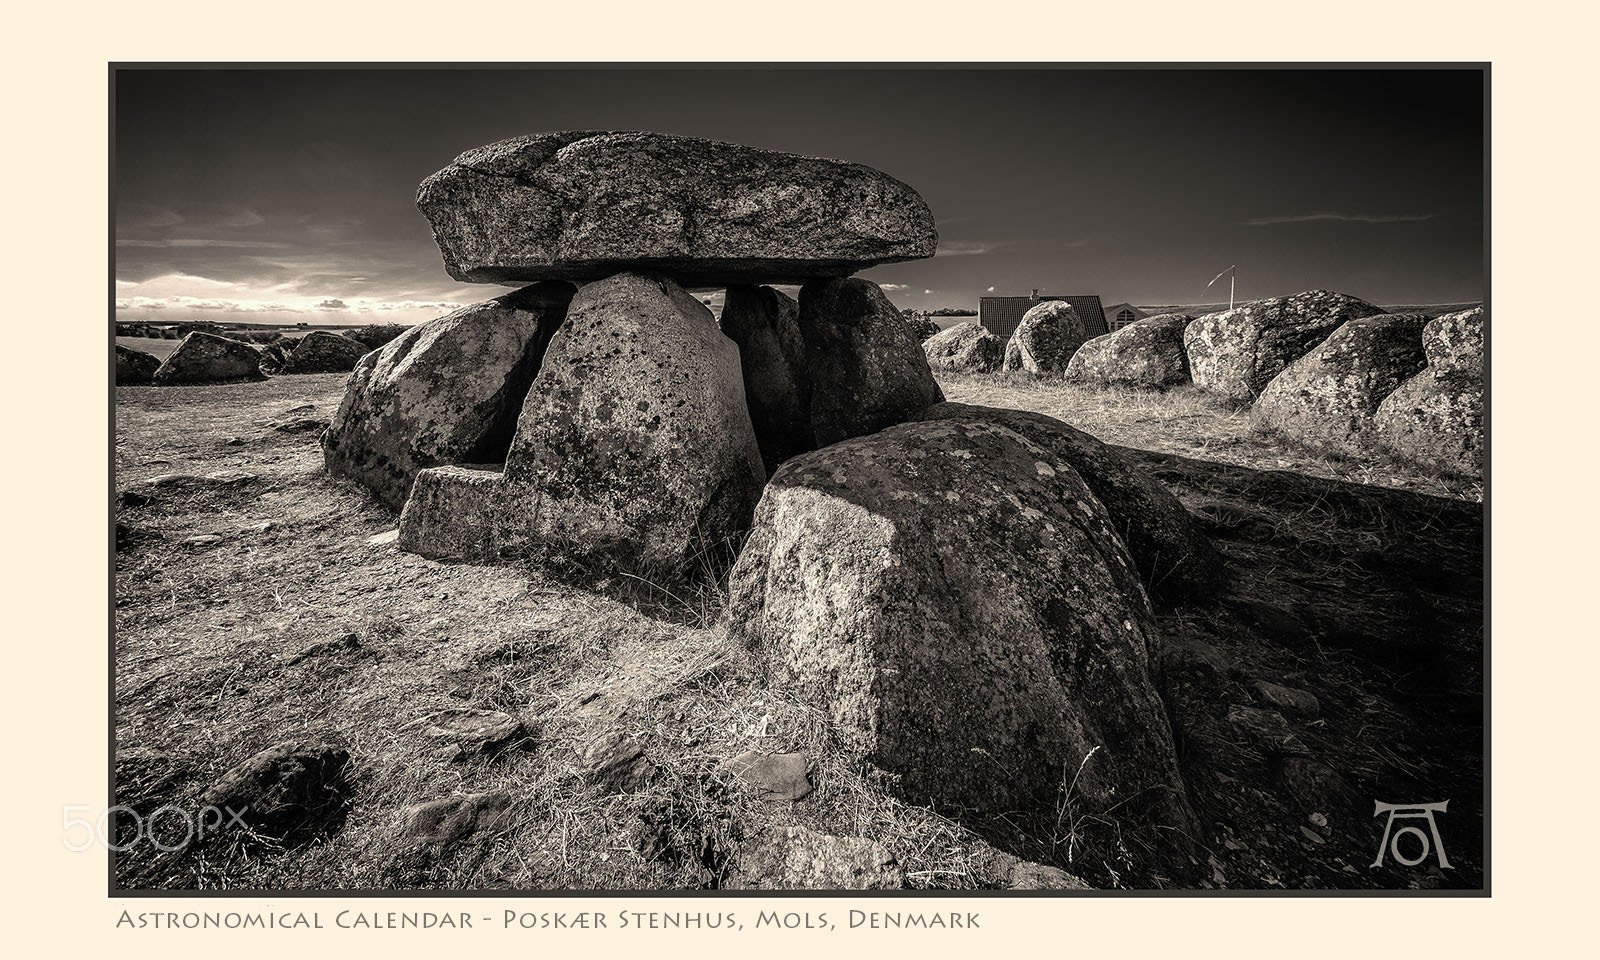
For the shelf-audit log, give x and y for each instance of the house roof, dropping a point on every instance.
(1000, 315)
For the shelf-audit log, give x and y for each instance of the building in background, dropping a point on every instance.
(1119, 315)
(1000, 315)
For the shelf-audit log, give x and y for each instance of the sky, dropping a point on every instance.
(282, 196)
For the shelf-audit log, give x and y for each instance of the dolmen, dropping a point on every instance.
(600, 411)
(967, 594)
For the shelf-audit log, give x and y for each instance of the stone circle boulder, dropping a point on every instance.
(324, 352)
(923, 327)
(1148, 354)
(1174, 557)
(1435, 422)
(447, 391)
(208, 358)
(583, 205)
(635, 444)
(135, 367)
(1045, 340)
(765, 323)
(958, 604)
(1327, 398)
(1237, 352)
(1454, 344)
(967, 346)
(275, 354)
(865, 367)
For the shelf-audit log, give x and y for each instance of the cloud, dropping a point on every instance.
(991, 289)
(967, 248)
(203, 242)
(331, 304)
(1340, 217)
(891, 286)
(927, 291)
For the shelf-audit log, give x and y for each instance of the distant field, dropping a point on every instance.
(160, 349)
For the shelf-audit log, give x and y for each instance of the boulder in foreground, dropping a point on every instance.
(583, 205)
(208, 358)
(445, 392)
(1045, 340)
(1147, 353)
(967, 346)
(866, 368)
(1237, 352)
(286, 789)
(322, 352)
(1175, 558)
(1328, 397)
(1436, 422)
(135, 367)
(956, 601)
(799, 858)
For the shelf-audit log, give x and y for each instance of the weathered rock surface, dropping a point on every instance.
(283, 789)
(208, 358)
(135, 367)
(1045, 340)
(1175, 558)
(765, 323)
(1328, 397)
(1237, 352)
(923, 327)
(447, 391)
(965, 346)
(442, 822)
(1147, 353)
(773, 776)
(635, 443)
(982, 663)
(472, 731)
(275, 354)
(1454, 344)
(460, 513)
(799, 858)
(322, 352)
(583, 205)
(867, 370)
(1434, 422)
(616, 762)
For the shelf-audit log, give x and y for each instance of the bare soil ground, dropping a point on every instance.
(1369, 598)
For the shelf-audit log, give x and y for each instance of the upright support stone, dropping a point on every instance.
(867, 368)
(772, 355)
(635, 445)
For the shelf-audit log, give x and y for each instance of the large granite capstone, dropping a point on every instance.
(583, 205)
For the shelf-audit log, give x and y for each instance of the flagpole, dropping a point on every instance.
(1232, 276)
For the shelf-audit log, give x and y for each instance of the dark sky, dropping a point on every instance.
(288, 193)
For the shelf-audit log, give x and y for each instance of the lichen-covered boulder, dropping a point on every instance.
(324, 352)
(765, 323)
(208, 358)
(796, 857)
(1175, 558)
(1147, 353)
(967, 346)
(1237, 352)
(135, 367)
(1327, 398)
(1435, 422)
(1045, 340)
(447, 391)
(1454, 344)
(275, 354)
(957, 603)
(583, 205)
(866, 369)
(635, 445)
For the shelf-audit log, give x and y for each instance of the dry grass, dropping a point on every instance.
(1192, 423)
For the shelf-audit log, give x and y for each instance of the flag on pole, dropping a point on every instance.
(1221, 275)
